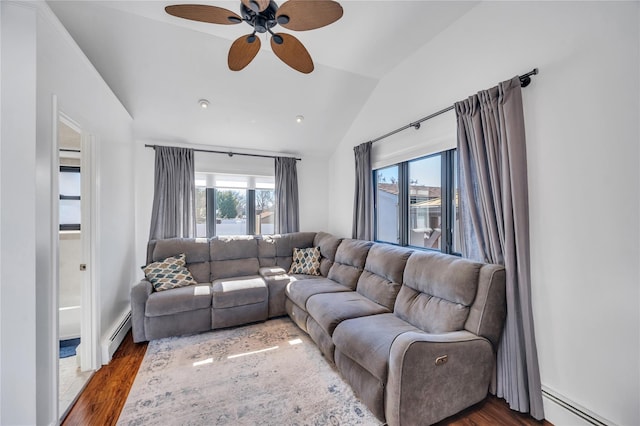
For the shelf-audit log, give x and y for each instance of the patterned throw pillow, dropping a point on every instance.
(306, 261)
(169, 273)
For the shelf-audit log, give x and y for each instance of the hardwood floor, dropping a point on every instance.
(103, 398)
(490, 412)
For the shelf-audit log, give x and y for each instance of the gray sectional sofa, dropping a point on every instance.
(413, 332)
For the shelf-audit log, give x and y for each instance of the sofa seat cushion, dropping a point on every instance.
(330, 309)
(301, 277)
(239, 291)
(367, 341)
(178, 300)
(300, 291)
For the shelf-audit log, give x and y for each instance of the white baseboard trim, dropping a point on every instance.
(116, 335)
(560, 410)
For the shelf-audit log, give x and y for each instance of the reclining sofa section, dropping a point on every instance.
(239, 280)
(414, 333)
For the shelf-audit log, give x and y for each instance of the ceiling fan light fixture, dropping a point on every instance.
(254, 6)
(204, 104)
(299, 118)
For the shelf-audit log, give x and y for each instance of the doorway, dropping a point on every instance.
(75, 365)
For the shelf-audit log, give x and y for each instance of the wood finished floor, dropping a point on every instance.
(102, 400)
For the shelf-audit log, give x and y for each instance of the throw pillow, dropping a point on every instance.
(169, 273)
(306, 261)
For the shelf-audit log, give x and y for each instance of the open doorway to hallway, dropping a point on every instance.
(73, 374)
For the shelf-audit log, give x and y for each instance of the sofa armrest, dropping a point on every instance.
(433, 376)
(139, 295)
(271, 271)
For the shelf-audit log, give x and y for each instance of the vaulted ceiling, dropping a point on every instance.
(159, 66)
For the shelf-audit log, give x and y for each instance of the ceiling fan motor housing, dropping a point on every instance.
(260, 21)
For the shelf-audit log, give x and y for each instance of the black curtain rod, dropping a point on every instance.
(525, 80)
(229, 153)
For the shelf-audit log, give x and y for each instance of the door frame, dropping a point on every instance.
(89, 350)
(89, 354)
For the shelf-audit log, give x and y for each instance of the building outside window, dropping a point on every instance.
(416, 203)
(387, 205)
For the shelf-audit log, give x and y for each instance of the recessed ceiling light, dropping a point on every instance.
(204, 104)
(299, 118)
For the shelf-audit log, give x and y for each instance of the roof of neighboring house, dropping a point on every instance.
(421, 191)
(432, 202)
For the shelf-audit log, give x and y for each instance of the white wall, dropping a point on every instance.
(581, 115)
(313, 193)
(41, 60)
(17, 216)
(312, 185)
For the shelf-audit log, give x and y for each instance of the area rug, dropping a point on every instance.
(264, 374)
(68, 347)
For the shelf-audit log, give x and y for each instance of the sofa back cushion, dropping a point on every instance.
(328, 247)
(234, 256)
(351, 256)
(277, 250)
(195, 249)
(437, 291)
(382, 276)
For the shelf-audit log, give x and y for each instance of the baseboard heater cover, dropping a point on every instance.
(576, 409)
(111, 343)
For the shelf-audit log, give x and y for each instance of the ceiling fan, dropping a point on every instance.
(263, 15)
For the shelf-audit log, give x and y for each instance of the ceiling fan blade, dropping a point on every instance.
(306, 15)
(292, 52)
(256, 5)
(204, 13)
(242, 52)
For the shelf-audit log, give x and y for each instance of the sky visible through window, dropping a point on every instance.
(427, 176)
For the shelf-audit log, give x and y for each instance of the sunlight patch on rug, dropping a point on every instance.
(264, 374)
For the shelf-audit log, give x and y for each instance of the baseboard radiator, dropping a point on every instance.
(111, 343)
(575, 409)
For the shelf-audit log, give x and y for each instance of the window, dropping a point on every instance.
(387, 205)
(69, 182)
(416, 203)
(234, 205)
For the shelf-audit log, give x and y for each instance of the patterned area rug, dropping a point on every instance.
(265, 374)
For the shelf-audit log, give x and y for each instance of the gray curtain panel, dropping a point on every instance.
(287, 206)
(174, 212)
(363, 199)
(494, 215)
